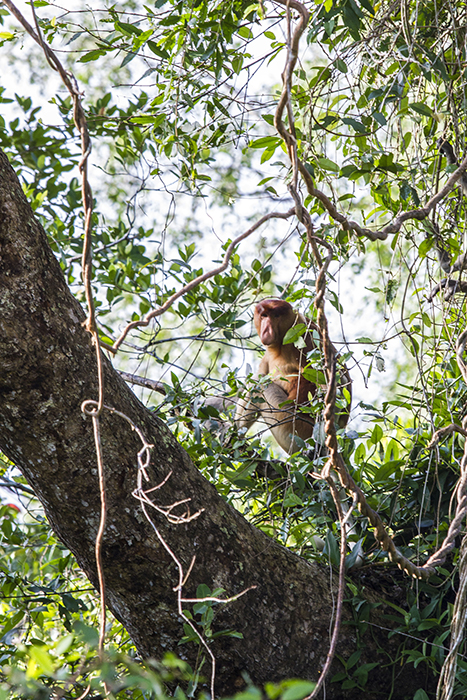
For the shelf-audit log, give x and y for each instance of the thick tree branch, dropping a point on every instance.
(48, 368)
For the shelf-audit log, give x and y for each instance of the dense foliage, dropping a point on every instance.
(180, 103)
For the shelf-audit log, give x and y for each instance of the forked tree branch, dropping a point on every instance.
(347, 224)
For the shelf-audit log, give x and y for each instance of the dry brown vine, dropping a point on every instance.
(335, 461)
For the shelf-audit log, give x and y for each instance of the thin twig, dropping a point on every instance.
(92, 411)
(143, 381)
(340, 590)
(348, 225)
(201, 278)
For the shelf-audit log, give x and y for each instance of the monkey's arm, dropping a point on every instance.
(249, 407)
(270, 404)
(220, 403)
(284, 419)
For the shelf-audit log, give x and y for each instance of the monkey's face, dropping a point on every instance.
(273, 318)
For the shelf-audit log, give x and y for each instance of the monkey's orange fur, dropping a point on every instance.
(279, 401)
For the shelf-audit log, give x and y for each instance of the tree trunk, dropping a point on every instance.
(48, 370)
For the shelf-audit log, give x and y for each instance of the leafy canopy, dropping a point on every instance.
(180, 100)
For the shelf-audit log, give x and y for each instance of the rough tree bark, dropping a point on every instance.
(47, 369)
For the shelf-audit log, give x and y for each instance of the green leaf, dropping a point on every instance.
(315, 376)
(351, 21)
(425, 247)
(203, 591)
(245, 33)
(297, 689)
(291, 499)
(421, 108)
(358, 126)
(338, 677)
(128, 29)
(162, 53)
(368, 6)
(266, 141)
(347, 170)
(360, 453)
(353, 659)
(391, 290)
(89, 634)
(129, 57)
(328, 164)
(237, 64)
(40, 661)
(405, 190)
(294, 333)
(331, 548)
(380, 118)
(377, 434)
(341, 65)
(91, 56)
(142, 120)
(420, 694)
(64, 644)
(354, 556)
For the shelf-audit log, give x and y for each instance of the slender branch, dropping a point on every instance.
(143, 381)
(445, 432)
(348, 225)
(335, 461)
(202, 278)
(340, 590)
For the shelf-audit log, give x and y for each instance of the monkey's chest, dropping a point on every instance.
(284, 375)
(292, 381)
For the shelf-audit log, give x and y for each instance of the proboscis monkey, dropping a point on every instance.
(279, 401)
